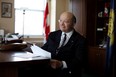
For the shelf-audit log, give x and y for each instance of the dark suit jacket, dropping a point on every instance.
(72, 53)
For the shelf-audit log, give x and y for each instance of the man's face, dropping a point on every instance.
(65, 22)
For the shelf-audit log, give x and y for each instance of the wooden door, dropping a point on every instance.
(79, 10)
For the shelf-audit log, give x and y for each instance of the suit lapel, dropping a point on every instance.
(58, 38)
(72, 39)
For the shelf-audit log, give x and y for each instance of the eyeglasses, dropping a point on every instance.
(61, 21)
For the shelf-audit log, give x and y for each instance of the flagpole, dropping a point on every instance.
(23, 21)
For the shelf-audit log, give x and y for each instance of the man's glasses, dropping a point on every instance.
(66, 22)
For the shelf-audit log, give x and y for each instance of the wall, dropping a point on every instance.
(61, 6)
(7, 23)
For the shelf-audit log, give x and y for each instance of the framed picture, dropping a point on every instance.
(6, 9)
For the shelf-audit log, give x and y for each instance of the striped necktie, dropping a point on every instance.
(62, 44)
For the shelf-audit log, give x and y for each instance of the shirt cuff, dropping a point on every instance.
(64, 64)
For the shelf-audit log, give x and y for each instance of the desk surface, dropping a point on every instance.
(10, 64)
(7, 58)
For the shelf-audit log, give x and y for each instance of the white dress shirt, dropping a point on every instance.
(68, 35)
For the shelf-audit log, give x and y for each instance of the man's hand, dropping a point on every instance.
(55, 64)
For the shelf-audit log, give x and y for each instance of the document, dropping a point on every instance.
(36, 52)
(40, 52)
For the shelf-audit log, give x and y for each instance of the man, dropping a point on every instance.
(67, 60)
(67, 56)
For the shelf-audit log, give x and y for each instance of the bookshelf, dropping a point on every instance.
(97, 21)
(102, 19)
(97, 27)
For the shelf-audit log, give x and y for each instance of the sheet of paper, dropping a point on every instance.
(26, 55)
(40, 52)
(37, 52)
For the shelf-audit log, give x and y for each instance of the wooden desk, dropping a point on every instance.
(9, 64)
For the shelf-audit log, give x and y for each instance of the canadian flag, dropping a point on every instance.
(46, 24)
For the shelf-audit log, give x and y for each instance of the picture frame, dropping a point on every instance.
(6, 10)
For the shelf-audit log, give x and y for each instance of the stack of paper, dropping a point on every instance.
(36, 52)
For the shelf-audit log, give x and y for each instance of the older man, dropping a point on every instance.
(67, 48)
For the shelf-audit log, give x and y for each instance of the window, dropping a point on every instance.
(29, 17)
